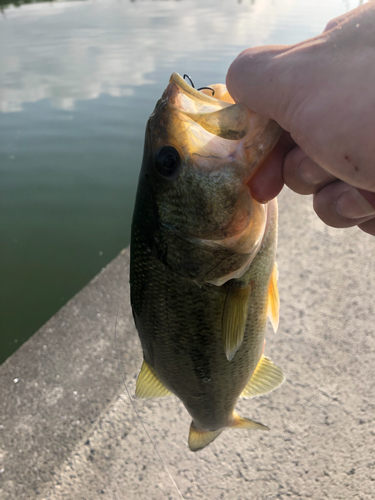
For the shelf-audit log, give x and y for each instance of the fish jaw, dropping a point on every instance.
(208, 227)
(207, 128)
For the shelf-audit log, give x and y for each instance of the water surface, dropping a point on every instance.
(78, 81)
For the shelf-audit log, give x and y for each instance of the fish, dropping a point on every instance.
(203, 275)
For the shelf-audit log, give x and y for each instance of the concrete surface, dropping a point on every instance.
(69, 431)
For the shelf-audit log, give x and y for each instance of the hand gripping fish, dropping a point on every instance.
(203, 275)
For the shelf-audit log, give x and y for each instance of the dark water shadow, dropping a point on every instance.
(18, 3)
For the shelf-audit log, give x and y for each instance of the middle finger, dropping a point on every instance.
(302, 174)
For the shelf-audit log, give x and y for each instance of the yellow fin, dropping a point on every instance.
(200, 439)
(148, 385)
(274, 299)
(246, 423)
(266, 378)
(234, 319)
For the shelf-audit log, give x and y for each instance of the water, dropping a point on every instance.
(78, 81)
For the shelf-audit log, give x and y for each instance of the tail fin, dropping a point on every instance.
(246, 423)
(200, 439)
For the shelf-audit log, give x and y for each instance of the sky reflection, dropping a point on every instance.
(69, 51)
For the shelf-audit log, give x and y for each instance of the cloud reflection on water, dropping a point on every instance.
(68, 51)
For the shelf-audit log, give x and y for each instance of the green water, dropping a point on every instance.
(78, 80)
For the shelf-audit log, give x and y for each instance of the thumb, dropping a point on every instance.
(256, 79)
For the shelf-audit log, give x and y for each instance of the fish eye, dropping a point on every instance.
(167, 160)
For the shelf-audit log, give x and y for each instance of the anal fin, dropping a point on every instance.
(148, 385)
(234, 319)
(266, 378)
(274, 300)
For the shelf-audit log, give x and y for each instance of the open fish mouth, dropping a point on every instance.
(212, 131)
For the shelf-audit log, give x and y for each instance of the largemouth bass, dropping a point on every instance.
(203, 276)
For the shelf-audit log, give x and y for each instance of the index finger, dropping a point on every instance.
(267, 182)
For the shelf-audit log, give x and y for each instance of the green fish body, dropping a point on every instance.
(203, 275)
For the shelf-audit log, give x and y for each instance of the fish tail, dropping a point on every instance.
(200, 439)
(246, 423)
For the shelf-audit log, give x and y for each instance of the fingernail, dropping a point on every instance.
(311, 172)
(352, 205)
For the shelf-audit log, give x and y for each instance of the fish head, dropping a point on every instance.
(200, 152)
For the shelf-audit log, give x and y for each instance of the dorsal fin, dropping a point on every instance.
(274, 299)
(234, 318)
(266, 378)
(148, 385)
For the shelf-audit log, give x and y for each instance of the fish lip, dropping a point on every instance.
(188, 89)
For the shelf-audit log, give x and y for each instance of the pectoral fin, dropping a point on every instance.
(234, 319)
(200, 439)
(274, 300)
(266, 378)
(148, 385)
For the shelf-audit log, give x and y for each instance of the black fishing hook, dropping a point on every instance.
(190, 80)
(208, 88)
(201, 88)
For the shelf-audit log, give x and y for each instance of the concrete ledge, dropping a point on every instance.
(69, 431)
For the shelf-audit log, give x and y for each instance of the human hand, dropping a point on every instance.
(322, 93)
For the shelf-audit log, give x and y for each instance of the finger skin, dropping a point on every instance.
(302, 174)
(368, 227)
(327, 203)
(321, 92)
(267, 181)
